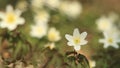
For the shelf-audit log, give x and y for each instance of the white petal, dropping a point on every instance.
(2, 15)
(2, 24)
(101, 40)
(76, 32)
(68, 37)
(83, 42)
(70, 44)
(77, 48)
(83, 35)
(118, 41)
(105, 34)
(115, 45)
(106, 45)
(12, 27)
(9, 8)
(18, 12)
(21, 21)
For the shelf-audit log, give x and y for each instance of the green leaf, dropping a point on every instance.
(17, 49)
(76, 60)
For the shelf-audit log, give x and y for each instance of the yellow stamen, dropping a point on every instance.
(110, 40)
(10, 18)
(77, 40)
(52, 36)
(39, 30)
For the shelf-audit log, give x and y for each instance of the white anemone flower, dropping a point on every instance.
(50, 45)
(42, 17)
(37, 3)
(77, 39)
(104, 23)
(22, 5)
(52, 3)
(19, 64)
(53, 35)
(11, 18)
(71, 9)
(110, 39)
(38, 30)
(92, 63)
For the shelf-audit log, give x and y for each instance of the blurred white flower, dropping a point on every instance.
(53, 35)
(52, 3)
(22, 5)
(77, 39)
(11, 18)
(104, 23)
(110, 39)
(42, 17)
(72, 9)
(19, 64)
(37, 3)
(92, 63)
(30, 66)
(50, 45)
(38, 30)
(10, 65)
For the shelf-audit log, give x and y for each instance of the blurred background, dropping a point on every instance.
(63, 16)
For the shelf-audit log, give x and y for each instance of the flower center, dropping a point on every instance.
(10, 18)
(52, 36)
(77, 40)
(104, 25)
(42, 16)
(39, 30)
(110, 40)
